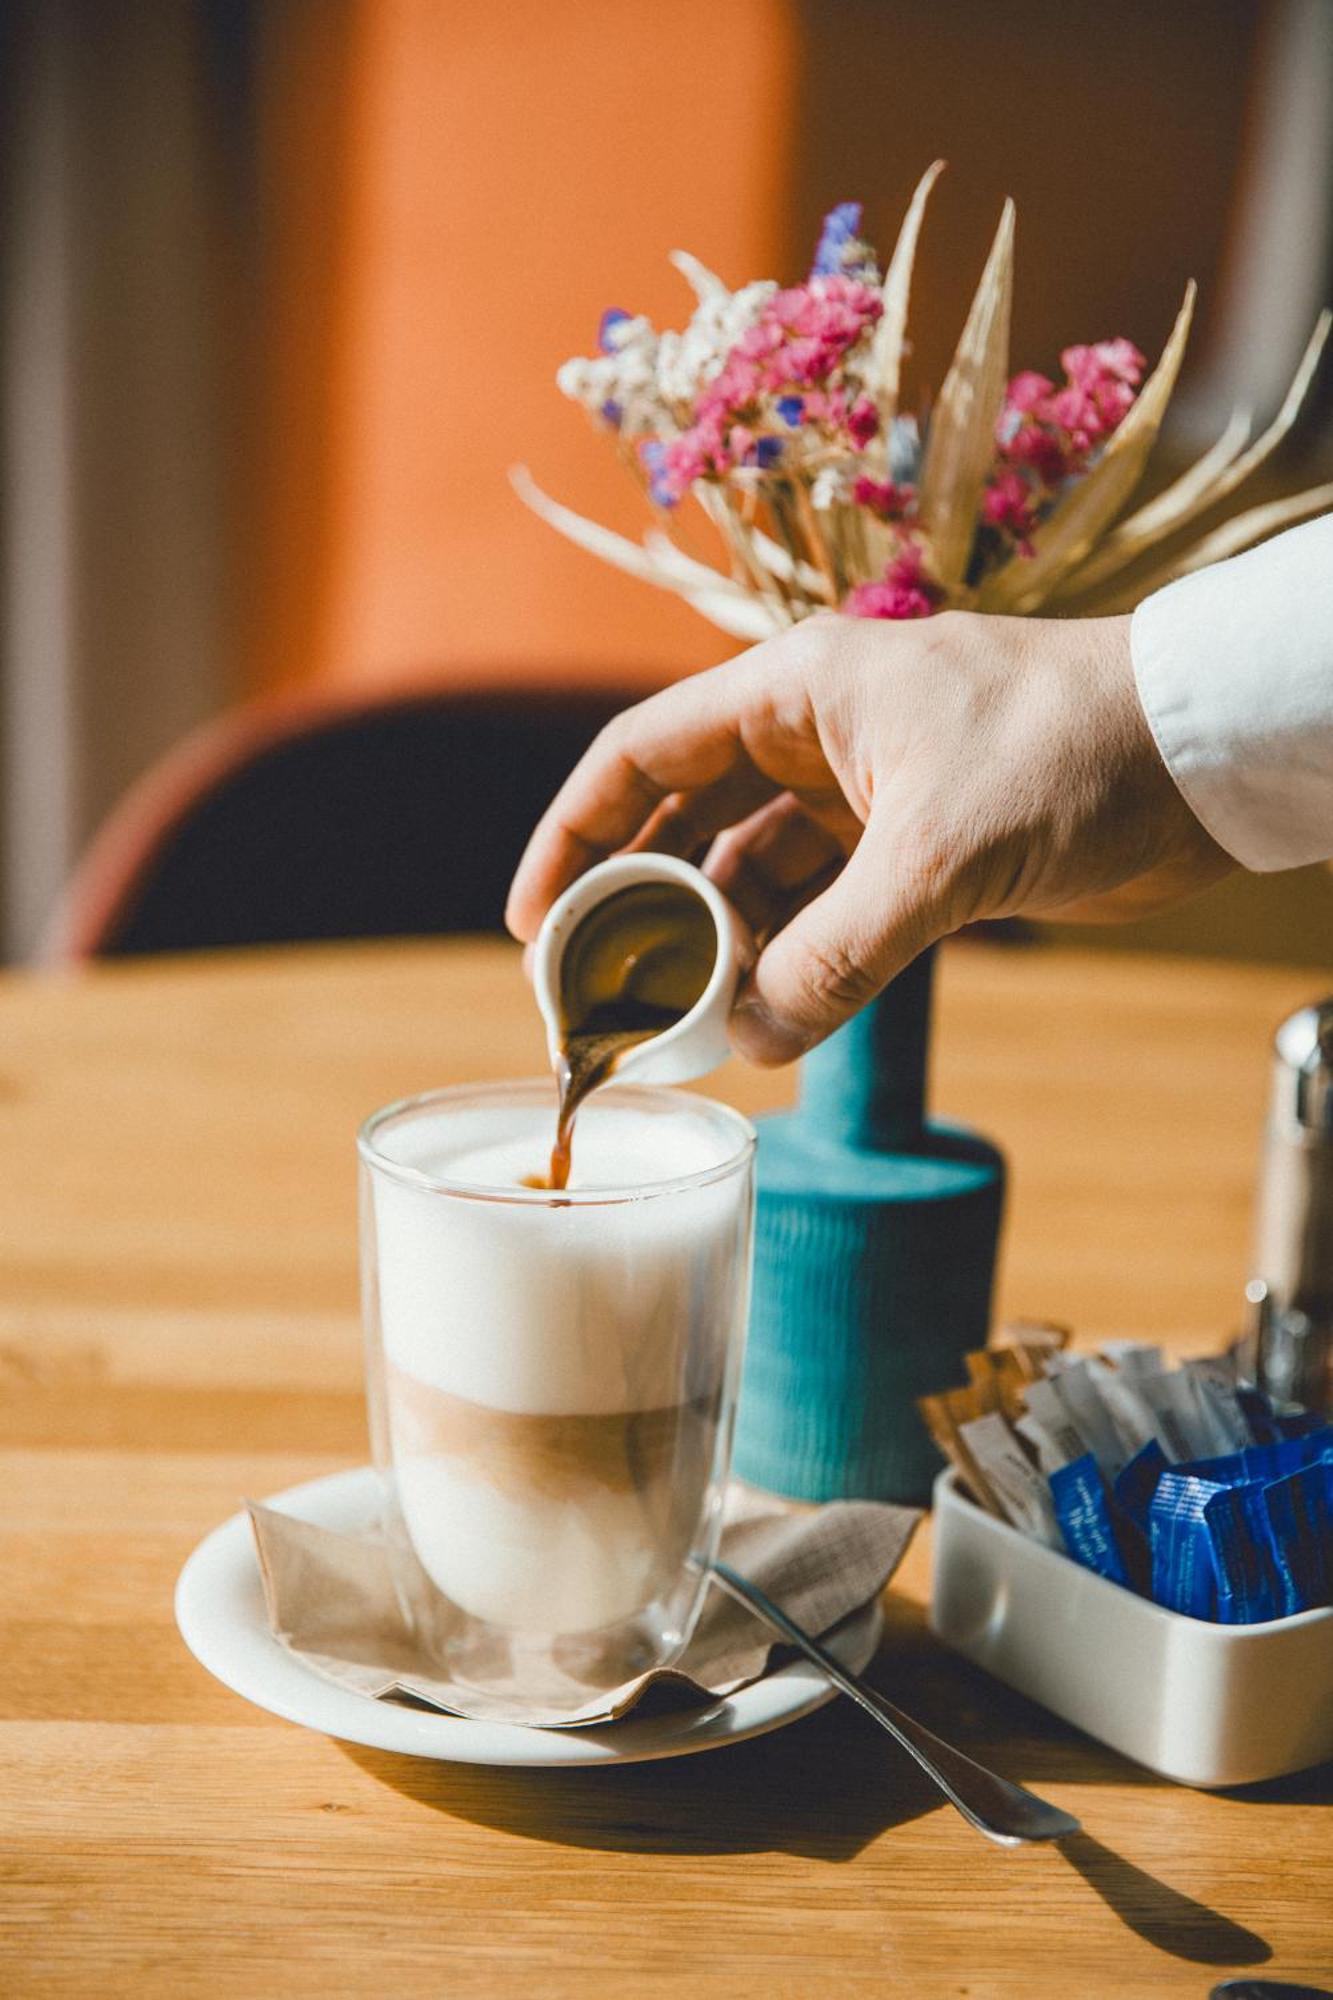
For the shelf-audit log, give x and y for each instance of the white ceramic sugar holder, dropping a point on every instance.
(698, 1042)
(1204, 1704)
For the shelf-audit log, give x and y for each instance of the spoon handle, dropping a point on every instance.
(1004, 1812)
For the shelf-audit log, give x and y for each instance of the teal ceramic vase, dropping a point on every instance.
(875, 1246)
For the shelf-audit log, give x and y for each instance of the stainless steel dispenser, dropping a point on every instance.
(1291, 1291)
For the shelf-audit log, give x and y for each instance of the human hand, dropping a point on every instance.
(861, 788)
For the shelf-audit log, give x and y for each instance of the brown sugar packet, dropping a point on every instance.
(1034, 1342)
(1001, 1375)
(1049, 1334)
(1011, 1380)
(981, 1377)
(942, 1414)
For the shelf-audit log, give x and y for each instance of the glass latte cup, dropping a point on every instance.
(552, 1378)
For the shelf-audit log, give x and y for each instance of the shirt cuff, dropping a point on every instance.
(1234, 667)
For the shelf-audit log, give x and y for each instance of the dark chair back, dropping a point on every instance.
(401, 816)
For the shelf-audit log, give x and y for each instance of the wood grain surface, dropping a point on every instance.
(178, 1328)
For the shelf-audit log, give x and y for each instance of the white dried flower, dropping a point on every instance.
(831, 487)
(622, 377)
(688, 361)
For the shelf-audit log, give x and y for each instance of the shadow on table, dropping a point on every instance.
(1304, 1788)
(981, 1714)
(1159, 1914)
(813, 1791)
(825, 1788)
(819, 1789)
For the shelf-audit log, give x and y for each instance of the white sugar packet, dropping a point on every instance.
(1125, 1405)
(1219, 1406)
(1073, 1385)
(1018, 1486)
(1133, 1357)
(1176, 1415)
(1051, 1456)
(1051, 1413)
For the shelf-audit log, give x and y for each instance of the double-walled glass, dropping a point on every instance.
(552, 1377)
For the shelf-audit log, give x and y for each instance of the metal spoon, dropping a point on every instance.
(1002, 1811)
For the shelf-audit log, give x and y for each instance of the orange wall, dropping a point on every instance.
(453, 189)
(489, 174)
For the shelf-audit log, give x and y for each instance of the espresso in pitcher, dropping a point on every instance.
(635, 965)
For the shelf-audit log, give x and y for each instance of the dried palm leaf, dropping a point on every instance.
(705, 284)
(1177, 498)
(1087, 510)
(1235, 535)
(884, 375)
(961, 444)
(787, 568)
(722, 506)
(731, 606)
(1192, 495)
(1243, 530)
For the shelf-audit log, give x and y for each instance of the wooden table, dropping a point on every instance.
(178, 1328)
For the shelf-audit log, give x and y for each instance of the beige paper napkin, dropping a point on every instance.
(331, 1601)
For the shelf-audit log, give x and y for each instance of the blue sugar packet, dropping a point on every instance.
(1300, 1424)
(1263, 1462)
(1300, 1519)
(1248, 1589)
(1184, 1573)
(1258, 1414)
(1136, 1484)
(1087, 1523)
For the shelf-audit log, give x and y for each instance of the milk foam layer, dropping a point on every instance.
(618, 1147)
(553, 1309)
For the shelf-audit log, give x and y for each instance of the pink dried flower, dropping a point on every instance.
(1115, 359)
(793, 353)
(1073, 411)
(827, 407)
(904, 590)
(884, 497)
(1009, 504)
(1042, 449)
(1028, 390)
(1112, 400)
(862, 421)
(699, 453)
(1047, 435)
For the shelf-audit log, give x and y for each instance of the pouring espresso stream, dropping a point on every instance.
(634, 966)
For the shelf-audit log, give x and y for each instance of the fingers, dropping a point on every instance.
(686, 822)
(685, 739)
(837, 953)
(773, 862)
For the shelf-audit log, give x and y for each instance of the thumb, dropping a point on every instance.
(839, 952)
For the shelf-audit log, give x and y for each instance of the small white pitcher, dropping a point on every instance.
(697, 1042)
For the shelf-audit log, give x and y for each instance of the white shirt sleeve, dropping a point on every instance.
(1234, 666)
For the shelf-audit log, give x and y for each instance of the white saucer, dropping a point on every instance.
(220, 1612)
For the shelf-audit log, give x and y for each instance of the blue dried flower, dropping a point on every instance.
(612, 317)
(652, 457)
(791, 409)
(840, 249)
(767, 451)
(612, 413)
(904, 451)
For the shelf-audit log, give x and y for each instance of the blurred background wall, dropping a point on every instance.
(286, 282)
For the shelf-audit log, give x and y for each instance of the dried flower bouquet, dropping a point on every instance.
(777, 410)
